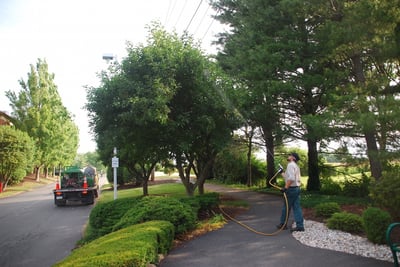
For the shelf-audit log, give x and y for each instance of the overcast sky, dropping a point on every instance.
(72, 35)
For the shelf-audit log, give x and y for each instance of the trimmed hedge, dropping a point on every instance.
(104, 216)
(376, 221)
(347, 222)
(327, 209)
(181, 215)
(136, 245)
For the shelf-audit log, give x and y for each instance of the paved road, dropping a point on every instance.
(36, 233)
(235, 246)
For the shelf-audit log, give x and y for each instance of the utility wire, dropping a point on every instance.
(202, 19)
(190, 22)
(170, 11)
(180, 14)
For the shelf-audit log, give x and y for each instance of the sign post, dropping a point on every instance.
(115, 165)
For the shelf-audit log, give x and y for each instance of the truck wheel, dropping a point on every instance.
(60, 203)
(91, 200)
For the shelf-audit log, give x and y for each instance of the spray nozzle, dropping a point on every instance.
(280, 170)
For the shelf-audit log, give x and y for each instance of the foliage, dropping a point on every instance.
(203, 204)
(173, 93)
(137, 245)
(385, 192)
(330, 187)
(312, 199)
(347, 222)
(124, 176)
(104, 216)
(376, 221)
(320, 65)
(16, 150)
(230, 165)
(357, 187)
(89, 158)
(39, 111)
(327, 209)
(151, 208)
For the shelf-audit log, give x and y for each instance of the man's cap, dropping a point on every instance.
(295, 155)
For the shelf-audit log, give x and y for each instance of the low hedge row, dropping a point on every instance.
(373, 221)
(180, 214)
(135, 245)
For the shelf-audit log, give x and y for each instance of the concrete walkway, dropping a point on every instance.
(235, 246)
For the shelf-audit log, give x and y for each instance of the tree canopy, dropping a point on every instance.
(39, 112)
(16, 151)
(164, 101)
(301, 61)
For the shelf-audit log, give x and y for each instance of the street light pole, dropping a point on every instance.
(115, 165)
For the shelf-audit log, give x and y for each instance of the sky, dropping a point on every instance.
(73, 35)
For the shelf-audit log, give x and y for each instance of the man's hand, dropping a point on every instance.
(283, 190)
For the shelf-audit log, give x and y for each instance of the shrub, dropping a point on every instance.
(385, 193)
(203, 204)
(137, 246)
(330, 187)
(376, 222)
(230, 165)
(104, 216)
(327, 209)
(357, 187)
(347, 222)
(180, 214)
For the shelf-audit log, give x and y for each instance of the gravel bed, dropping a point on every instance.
(316, 234)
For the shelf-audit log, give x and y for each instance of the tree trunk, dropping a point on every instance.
(373, 155)
(184, 175)
(153, 175)
(369, 130)
(249, 136)
(204, 173)
(313, 183)
(145, 186)
(37, 173)
(269, 144)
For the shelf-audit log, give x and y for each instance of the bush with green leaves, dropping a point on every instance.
(326, 209)
(180, 214)
(357, 187)
(376, 222)
(137, 245)
(347, 222)
(230, 165)
(104, 216)
(385, 192)
(330, 187)
(16, 150)
(202, 204)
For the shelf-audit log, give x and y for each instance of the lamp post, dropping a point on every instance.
(115, 165)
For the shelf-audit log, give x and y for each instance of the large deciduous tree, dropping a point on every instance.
(39, 112)
(165, 101)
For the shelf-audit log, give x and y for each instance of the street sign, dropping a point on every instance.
(115, 162)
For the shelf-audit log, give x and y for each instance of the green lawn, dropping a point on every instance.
(173, 189)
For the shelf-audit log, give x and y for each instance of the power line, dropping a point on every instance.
(202, 19)
(197, 9)
(170, 11)
(180, 14)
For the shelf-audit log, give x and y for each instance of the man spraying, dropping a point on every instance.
(292, 190)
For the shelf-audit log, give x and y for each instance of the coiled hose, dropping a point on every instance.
(254, 230)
